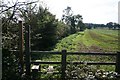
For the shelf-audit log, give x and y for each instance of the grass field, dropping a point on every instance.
(94, 40)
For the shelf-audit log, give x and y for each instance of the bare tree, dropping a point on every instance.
(14, 10)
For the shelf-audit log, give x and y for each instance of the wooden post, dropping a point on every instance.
(118, 63)
(63, 67)
(27, 50)
(21, 43)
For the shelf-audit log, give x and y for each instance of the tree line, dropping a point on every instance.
(109, 25)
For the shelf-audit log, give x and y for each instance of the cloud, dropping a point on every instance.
(96, 11)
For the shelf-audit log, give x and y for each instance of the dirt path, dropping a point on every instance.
(92, 48)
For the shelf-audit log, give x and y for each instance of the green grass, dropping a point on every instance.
(106, 39)
(94, 40)
(97, 40)
(69, 43)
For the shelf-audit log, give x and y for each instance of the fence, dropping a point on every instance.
(63, 54)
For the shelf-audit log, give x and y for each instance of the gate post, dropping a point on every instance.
(21, 43)
(118, 63)
(27, 50)
(63, 63)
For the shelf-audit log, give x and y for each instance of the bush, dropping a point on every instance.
(10, 70)
(85, 72)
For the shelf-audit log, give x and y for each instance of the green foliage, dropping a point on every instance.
(85, 72)
(10, 40)
(46, 30)
(9, 34)
(73, 21)
(44, 35)
(62, 30)
(10, 67)
(69, 43)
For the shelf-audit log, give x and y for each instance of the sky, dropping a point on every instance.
(92, 11)
(119, 13)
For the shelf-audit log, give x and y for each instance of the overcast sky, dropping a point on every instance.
(93, 11)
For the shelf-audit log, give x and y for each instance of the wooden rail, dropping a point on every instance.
(63, 61)
(74, 53)
(74, 62)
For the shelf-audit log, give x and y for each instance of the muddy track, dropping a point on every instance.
(95, 36)
(83, 48)
(92, 48)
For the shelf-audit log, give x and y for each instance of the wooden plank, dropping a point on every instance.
(27, 50)
(91, 53)
(21, 43)
(63, 65)
(93, 63)
(75, 62)
(54, 72)
(35, 67)
(14, 50)
(45, 62)
(46, 52)
(74, 53)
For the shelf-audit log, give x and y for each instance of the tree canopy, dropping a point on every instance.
(74, 21)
